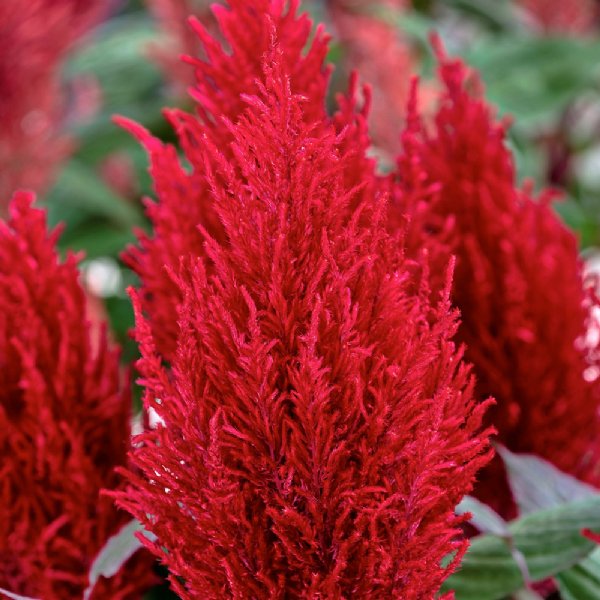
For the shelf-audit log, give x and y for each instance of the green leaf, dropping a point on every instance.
(115, 553)
(580, 218)
(550, 541)
(131, 84)
(118, 58)
(532, 78)
(96, 239)
(484, 518)
(527, 595)
(488, 571)
(418, 28)
(498, 15)
(79, 186)
(582, 581)
(537, 484)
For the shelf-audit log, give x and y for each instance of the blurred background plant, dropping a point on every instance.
(539, 60)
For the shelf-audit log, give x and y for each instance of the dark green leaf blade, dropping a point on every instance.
(550, 541)
(582, 581)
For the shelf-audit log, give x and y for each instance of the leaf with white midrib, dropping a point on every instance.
(583, 580)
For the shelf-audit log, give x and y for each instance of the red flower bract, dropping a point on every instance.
(518, 285)
(64, 423)
(319, 427)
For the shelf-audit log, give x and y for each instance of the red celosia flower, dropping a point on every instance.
(518, 284)
(318, 421)
(64, 420)
(34, 38)
(566, 16)
(219, 84)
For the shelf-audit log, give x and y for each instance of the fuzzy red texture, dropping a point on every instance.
(64, 423)
(34, 37)
(319, 426)
(525, 307)
(566, 16)
(182, 194)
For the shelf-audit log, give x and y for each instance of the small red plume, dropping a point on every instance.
(64, 424)
(525, 306)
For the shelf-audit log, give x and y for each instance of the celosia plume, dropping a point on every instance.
(64, 423)
(518, 285)
(34, 37)
(219, 84)
(319, 427)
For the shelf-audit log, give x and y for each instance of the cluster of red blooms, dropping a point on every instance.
(34, 38)
(184, 198)
(64, 423)
(299, 333)
(519, 285)
(319, 425)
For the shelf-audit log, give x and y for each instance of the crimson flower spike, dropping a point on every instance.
(64, 423)
(220, 81)
(318, 422)
(525, 305)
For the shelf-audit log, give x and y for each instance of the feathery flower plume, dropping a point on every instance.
(64, 420)
(182, 196)
(319, 427)
(519, 286)
(34, 37)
